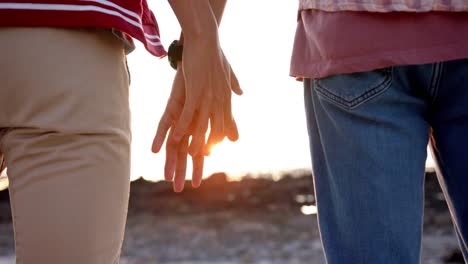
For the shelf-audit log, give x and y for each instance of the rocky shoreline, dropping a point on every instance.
(255, 220)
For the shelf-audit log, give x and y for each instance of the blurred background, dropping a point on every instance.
(256, 204)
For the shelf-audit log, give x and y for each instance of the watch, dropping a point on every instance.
(174, 53)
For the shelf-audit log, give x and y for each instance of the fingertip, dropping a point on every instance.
(196, 183)
(178, 187)
(168, 177)
(238, 91)
(233, 135)
(206, 151)
(197, 177)
(219, 139)
(233, 132)
(156, 147)
(157, 142)
(235, 85)
(233, 138)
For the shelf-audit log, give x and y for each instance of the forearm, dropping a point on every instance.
(196, 18)
(218, 9)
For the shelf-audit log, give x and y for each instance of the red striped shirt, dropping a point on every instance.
(132, 17)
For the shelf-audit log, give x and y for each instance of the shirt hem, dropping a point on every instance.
(380, 60)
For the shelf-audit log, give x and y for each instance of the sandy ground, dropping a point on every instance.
(253, 221)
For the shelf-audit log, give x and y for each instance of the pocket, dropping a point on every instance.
(350, 91)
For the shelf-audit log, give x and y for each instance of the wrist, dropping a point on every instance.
(202, 35)
(196, 18)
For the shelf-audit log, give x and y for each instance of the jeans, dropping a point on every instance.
(65, 119)
(368, 136)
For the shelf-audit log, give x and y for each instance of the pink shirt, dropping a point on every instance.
(385, 5)
(330, 43)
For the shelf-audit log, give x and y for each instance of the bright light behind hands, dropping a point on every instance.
(270, 115)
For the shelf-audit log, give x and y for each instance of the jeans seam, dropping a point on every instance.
(352, 104)
(435, 81)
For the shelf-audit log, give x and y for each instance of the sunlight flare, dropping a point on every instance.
(309, 209)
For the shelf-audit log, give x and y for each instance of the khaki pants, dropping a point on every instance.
(65, 123)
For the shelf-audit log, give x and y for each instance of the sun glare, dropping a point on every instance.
(309, 209)
(270, 115)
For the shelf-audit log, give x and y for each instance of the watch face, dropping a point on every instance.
(174, 53)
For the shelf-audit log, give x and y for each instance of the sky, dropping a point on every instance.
(257, 41)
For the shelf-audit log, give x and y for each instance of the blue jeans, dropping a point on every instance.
(368, 137)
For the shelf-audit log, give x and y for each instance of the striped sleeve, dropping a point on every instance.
(134, 18)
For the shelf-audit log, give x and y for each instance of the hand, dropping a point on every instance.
(230, 125)
(175, 158)
(176, 162)
(207, 76)
(176, 152)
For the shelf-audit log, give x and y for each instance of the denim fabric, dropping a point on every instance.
(368, 137)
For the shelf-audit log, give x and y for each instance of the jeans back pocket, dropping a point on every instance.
(352, 90)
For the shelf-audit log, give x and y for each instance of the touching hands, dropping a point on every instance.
(200, 97)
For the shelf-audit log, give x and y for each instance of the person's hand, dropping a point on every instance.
(207, 75)
(230, 126)
(176, 163)
(208, 81)
(176, 151)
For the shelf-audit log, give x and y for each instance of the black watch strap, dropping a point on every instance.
(174, 53)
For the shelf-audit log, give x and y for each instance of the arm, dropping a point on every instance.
(217, 6)
(218, 9)
(201, 92)
(230, 127)
(196, 18)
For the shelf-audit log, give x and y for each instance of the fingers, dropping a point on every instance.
(184, 122)
(198, 137)
(235, 86)
(230, 125)
(172, 112)
(164, 125)
(217, 124)
(176, 157)
(181, 165)
(207, 103)
(232, 132)
(197, 174)
(171, 157)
